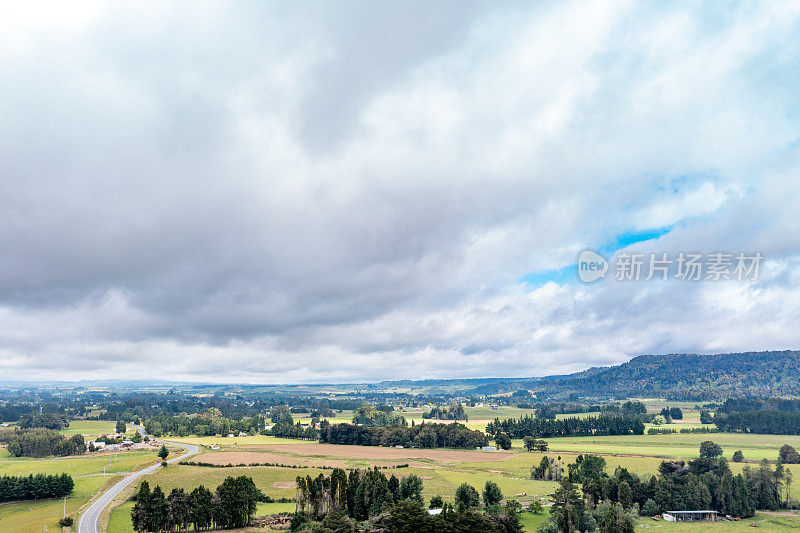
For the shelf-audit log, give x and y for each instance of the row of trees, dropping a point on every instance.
(426, 435)
(360, 494)
(566, 427)
(231, 505)
(378, 503)
(14, 488)
(41, 442)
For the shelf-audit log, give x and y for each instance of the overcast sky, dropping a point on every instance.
(347, 192)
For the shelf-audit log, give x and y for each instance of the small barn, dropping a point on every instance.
(691, 516)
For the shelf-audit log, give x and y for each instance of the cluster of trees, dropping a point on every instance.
(42, 420)
(360, 494)
(451, 412)
(788, 455)
(231, 506)
(41, 442)
(570, 512)
(549, 469)
(426, 435)
(377, 416)
(567, 427)
(14, 488)
(703, 483)
(671, 413)
(379, 504)
(284, 425)
(533, 444)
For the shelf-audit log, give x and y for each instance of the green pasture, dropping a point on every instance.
(86, 471)
(89, 427)
(680, 445)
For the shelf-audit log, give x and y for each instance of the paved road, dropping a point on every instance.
(88, 522)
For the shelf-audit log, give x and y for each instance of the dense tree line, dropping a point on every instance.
(375, 503)
(231, 506)
(566, 427)
(768, 422)
(40, 486)
(359, 494)
(426, 435)
(293, 431)
(11, 411)
(40, 442)
(43, 420)
(209, 423)
(739, 405)
(451, 412)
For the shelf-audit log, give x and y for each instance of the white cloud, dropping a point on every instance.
(242, 192)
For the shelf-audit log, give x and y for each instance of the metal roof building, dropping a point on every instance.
(691, 516)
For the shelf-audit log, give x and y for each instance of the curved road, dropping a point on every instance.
(88, 522)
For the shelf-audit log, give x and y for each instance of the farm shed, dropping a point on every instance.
(691, 516)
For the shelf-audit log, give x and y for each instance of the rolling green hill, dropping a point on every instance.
(680, 376)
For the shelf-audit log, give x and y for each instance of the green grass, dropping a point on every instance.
(86, 471)
(89, 427)
(120, 519)
(681, 445)
(189, 477)
(531, 521)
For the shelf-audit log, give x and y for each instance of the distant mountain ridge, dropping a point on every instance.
(678, 376)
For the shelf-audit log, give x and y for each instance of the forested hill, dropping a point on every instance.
(681, 376)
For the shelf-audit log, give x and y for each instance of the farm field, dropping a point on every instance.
(86, 471)
(441, 470)
(89, 427)
(681, 445)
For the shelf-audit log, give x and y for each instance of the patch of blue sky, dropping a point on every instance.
(569, 273)
(632, 237)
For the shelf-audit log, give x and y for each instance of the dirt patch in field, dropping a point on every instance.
(285, 485)
(378, 453)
